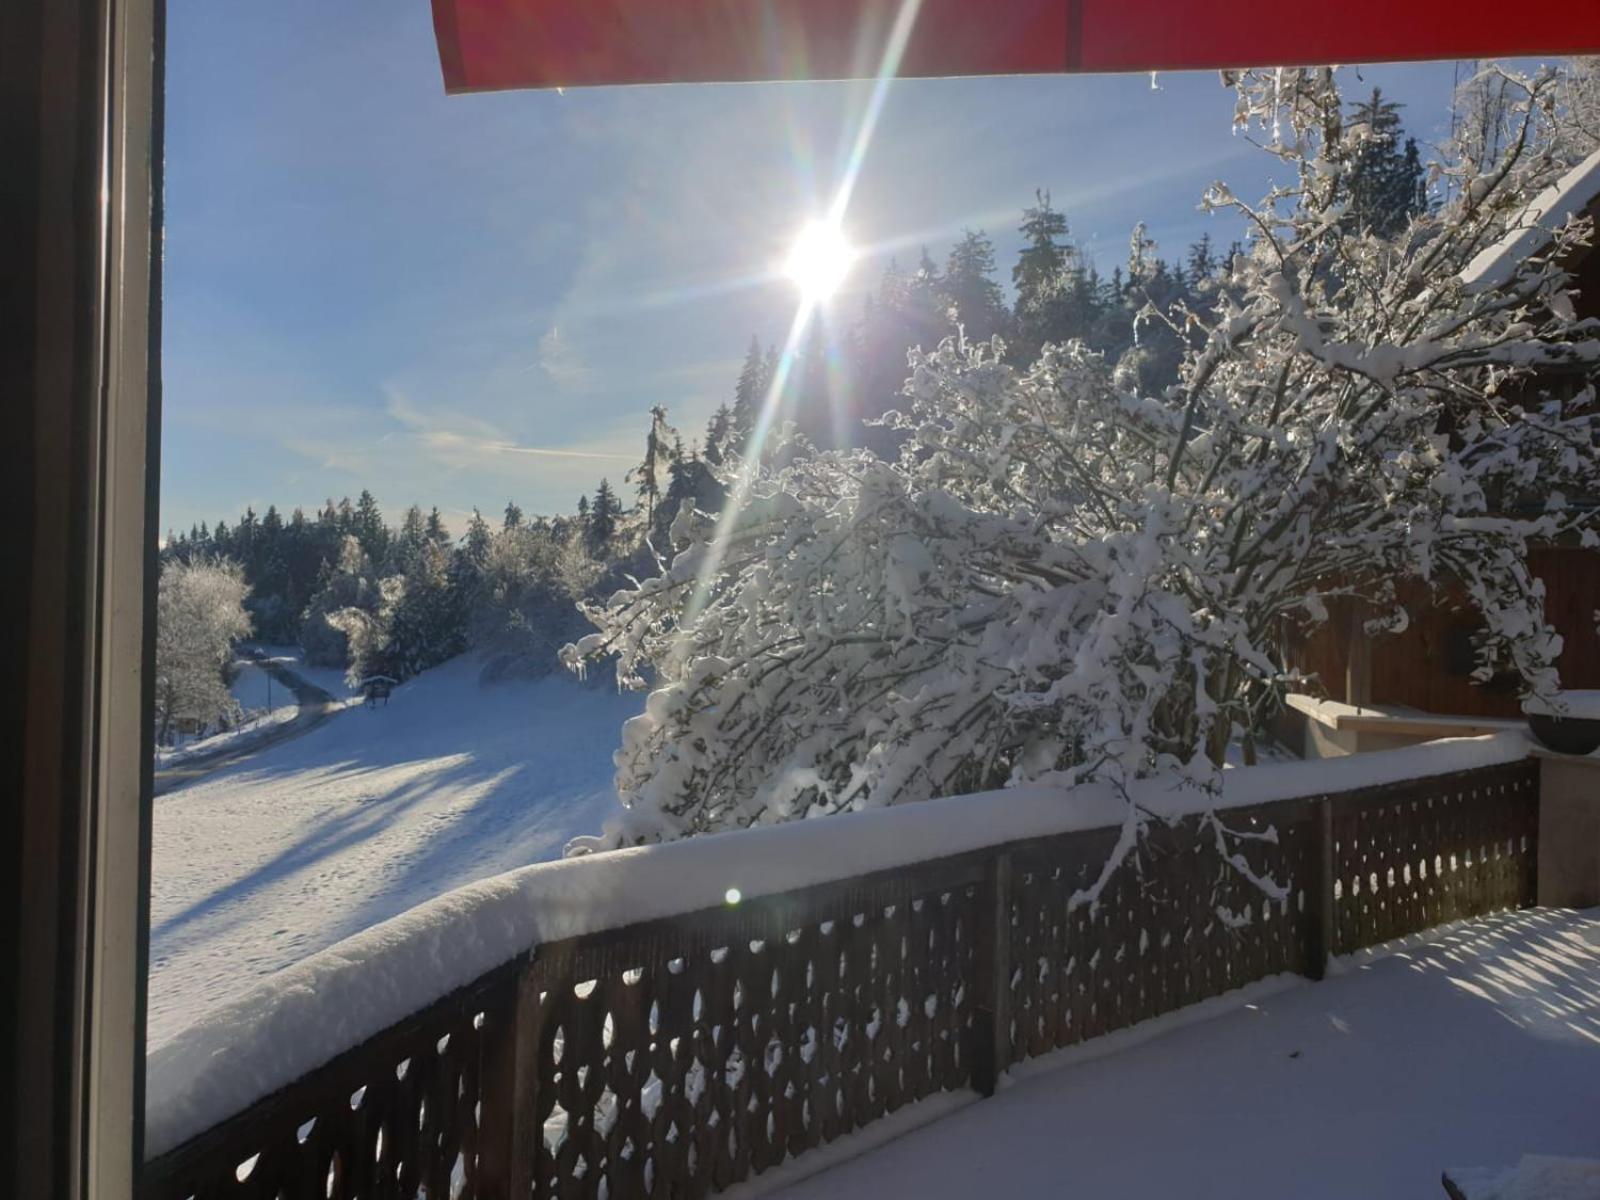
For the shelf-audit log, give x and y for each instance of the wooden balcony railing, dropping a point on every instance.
(675, 1057)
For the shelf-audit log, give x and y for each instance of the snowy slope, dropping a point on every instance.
(368, 814)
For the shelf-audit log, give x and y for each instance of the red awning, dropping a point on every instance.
(493, 44)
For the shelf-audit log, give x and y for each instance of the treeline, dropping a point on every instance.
(354, 591)
(1143, 315)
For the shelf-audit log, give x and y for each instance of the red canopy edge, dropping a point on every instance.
(487, 45)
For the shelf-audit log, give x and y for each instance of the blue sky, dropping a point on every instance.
(459, 301)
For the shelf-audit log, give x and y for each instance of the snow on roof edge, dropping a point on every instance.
(1496, 265)
(304, 1015)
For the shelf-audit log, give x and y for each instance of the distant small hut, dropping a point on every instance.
(377, 687)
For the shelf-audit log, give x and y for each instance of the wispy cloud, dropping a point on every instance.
(456, 439)
(560, 361)
(444, 441)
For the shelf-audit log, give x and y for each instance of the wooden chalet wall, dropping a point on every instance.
(1429, 666)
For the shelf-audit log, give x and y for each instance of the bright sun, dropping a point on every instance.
(820, 260)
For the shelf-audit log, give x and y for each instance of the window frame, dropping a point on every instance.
(80, 92)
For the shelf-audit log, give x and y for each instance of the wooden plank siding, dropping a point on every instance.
(1428, 667)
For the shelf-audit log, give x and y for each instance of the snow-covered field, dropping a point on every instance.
(366, 815)
(1472, 1047)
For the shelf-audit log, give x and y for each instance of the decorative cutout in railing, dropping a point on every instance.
(676, 1057)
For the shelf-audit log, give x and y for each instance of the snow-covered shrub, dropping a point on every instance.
(524, 599)
(368, 632)
(350, 582)
(199, 615)
(1062, 578)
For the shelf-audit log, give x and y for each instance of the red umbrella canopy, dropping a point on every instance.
(496, 44)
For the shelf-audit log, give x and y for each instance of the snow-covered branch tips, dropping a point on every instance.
(1063, 576)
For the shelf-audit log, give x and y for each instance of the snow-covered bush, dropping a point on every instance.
(199, 615)
(350, 582)
(1062, 578)
(525, 595)
(368, 632)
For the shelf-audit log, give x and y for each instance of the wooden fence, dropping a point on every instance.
(676, 1057)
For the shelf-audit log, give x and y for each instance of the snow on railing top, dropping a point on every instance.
(301, 1017)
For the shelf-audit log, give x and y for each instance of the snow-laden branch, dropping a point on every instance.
(1063, 579)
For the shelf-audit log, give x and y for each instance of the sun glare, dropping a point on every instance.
(820, 260)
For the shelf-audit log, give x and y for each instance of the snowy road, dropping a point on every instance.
(287, 851)
(303, 704)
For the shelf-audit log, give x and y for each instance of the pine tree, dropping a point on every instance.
(427, 624)
(468, 566)
(748, 394)
(1386, 182)
(1044, 256)
(603, 514)
(406, 546)
(368, 527)
(244, 538)
(475, 546)
(437, 533)
(513, 516)
(688, 478)
(1202, 262)
(718, 431)
(970, 285)
(1041, 279)
(656, 458)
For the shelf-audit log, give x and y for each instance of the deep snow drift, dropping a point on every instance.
(1469, 1047)
(368, 814)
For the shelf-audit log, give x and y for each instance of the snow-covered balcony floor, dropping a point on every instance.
(1471, 1046)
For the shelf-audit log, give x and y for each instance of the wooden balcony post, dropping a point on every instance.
(1358, 662)
(509, 1136)
(1322, 899)
(993, 1017)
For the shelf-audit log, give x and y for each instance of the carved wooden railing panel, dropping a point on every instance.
(676, 1057)
(1411, 856)
(398, 1116)
(1177, 925)
(680, 1057)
